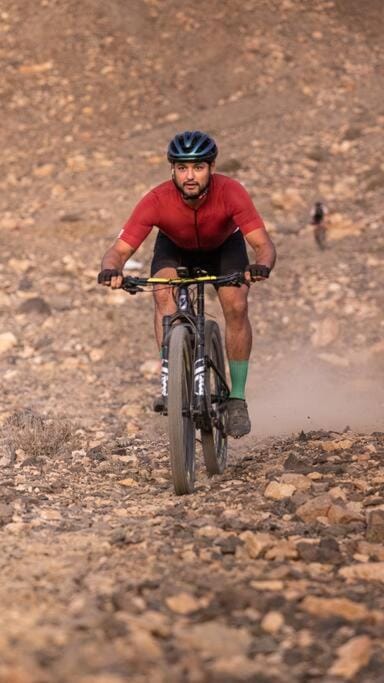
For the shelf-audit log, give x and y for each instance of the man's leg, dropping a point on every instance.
(238, 342)
(167, 256)
(238, 331)
(164, 303)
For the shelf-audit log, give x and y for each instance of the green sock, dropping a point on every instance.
(238, 370)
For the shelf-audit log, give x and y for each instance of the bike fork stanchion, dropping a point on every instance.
(165, 357)
(199, 367)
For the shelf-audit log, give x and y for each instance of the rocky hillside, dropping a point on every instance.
(272, 572)
(91, 93)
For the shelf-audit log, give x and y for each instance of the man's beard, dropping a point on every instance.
(194, 193)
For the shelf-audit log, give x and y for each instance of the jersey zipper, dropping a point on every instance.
(197, 229)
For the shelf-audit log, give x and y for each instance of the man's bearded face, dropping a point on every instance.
(191, 177)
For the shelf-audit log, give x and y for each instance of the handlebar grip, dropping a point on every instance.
(130, 285)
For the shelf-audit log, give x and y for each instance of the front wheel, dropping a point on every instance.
(214, 439)
(180, 421)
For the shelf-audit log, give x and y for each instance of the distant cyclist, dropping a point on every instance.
(318, 220)
(202, 218)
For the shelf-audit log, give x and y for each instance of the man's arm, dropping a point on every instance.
(137, 228)
(265, 252)
(113, 262)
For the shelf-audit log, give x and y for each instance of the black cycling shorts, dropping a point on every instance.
(229, 257)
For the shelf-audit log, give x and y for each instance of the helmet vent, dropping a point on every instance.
(192, 146)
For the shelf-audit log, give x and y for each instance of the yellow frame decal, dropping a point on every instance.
(181, 281)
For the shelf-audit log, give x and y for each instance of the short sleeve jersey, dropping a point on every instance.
(226, 207)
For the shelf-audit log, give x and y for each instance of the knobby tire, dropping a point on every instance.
(180, 423)
(214, 440)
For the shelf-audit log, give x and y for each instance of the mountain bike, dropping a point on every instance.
(193, 384)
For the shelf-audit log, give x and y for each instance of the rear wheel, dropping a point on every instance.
(180, 423)
(214, 439)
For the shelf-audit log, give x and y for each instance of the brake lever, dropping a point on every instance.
(235, 283)
(132, 289)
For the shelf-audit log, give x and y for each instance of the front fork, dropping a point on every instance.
(198, 400)
(198, 405)
(164, 357)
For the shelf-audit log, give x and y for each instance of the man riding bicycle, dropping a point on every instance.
(202, 217)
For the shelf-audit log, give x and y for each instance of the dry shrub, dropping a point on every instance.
(36, 435)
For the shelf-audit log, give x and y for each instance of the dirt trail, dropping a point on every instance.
(273, 571)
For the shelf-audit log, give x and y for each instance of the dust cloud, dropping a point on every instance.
(302, 392)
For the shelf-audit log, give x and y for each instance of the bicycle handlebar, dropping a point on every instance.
(133, 284)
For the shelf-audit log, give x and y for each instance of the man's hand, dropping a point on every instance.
(255, 272)
(110, 277)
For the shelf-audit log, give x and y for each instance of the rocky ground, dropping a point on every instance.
(273, 571)
(270, 572)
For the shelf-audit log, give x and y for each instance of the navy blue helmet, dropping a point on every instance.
(192, 146)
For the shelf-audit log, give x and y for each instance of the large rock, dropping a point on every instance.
(35, 305)
(287, 200)
(7, 341)
(237, 668)
(374, 550)
(334, 359)
(279, 491)
(183, 603)
(336, 444)
(43, 170)
(299, 481)
(20, 265)
(314, 508)
(255, 544)
(150, 368)
(77, 163)
(375, 526)
(272, 622)
(212, 639)
(282, 550)
(343, 514)
(339, 226)
(368, 571)
(352, 657)
(5, 300)
(326, 332)
(334, 607)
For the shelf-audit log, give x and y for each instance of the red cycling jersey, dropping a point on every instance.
(226, 207)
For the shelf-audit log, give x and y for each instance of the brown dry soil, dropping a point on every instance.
(274, 571)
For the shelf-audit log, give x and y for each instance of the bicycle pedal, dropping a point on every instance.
(160, 405)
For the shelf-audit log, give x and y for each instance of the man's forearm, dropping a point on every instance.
(115, 260)
(266, 255)
(263, 247)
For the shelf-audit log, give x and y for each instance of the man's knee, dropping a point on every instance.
(163, 299)
(162, 294)
(235, 309)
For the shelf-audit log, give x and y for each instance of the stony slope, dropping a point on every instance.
(272, 572)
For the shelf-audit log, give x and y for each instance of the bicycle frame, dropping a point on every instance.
(194, 390)
(195, 324)
(194, 321)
